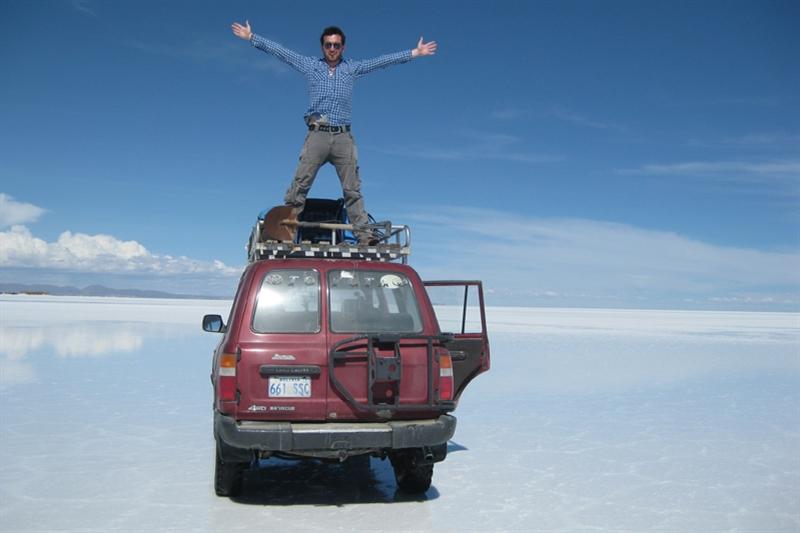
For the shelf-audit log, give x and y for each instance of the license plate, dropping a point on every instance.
(289, 387)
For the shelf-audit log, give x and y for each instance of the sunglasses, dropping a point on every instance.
(336, 46)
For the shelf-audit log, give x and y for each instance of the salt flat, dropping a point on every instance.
(590, 420)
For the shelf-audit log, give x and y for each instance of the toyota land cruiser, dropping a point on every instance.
(331, 352)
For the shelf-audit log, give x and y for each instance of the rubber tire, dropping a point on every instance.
(413, 479)
(227, 477)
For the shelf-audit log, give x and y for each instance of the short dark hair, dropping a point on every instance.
(331, 30)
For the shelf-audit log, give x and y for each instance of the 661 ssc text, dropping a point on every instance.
(289, 387)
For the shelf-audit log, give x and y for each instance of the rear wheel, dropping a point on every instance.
(412, 475)
(227, 476)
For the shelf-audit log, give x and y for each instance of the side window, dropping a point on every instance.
(372, 302)
(457, 305)
(239, 294)
(288, 302)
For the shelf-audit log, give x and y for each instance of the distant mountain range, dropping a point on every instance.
(96, 290)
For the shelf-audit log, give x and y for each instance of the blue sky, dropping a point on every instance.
(624, 154)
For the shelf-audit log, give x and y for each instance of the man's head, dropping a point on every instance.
(332, 41)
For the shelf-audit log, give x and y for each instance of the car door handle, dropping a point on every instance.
(458, 355)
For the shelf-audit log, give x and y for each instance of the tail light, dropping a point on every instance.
(445, 377)
(226, 382)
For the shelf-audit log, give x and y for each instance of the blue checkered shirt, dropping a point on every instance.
(329, 94)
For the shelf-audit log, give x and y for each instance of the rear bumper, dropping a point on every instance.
(295, 437)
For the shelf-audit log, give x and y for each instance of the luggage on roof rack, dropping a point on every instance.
(323, 210)
(322, 231)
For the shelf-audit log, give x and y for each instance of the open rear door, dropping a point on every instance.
(460, 310)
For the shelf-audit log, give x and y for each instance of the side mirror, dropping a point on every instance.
(213, 324)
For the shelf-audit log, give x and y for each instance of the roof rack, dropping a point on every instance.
(394, 243)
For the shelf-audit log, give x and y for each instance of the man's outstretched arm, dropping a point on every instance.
(290, 57)
(368, 65)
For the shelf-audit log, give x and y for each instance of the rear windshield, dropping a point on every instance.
(288, 302)
(372, 302)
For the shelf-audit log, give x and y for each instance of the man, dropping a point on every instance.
(330, 90)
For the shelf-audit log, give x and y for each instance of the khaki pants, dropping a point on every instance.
(339, 149)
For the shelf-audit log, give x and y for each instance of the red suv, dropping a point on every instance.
(332, 358)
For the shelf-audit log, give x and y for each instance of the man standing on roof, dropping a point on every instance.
(330, 90)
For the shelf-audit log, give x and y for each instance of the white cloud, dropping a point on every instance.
(96, 253)
(568, 115)
(780, 175)
(13, 212)
(73, 340)
(580, 260)
(477, 145)
(731, 168)
(233, 52)
(559, 112)
(508, 114)
(764, 140)
(83, 7)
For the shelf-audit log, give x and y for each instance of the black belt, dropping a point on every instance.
(330, 129)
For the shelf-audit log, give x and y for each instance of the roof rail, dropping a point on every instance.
(394, 243)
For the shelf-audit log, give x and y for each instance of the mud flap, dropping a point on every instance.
(229, 454)
(426, 455)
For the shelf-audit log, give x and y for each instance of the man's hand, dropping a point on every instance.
(244, 32)
(424, 49)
